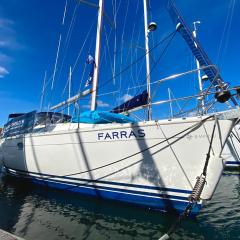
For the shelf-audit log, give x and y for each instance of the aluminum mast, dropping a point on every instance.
(97, 56)
(147, 59)
(198, 67)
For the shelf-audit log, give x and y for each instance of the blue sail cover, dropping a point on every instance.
(193, 43)
(102, 117)
(137, 101)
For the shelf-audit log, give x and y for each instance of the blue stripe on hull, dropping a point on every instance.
(68, 177)
(232, 163)
(143, 199)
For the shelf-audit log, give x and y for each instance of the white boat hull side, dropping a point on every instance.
(131, 157)
(231, 152)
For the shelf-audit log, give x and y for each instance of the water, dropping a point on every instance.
(35, 212)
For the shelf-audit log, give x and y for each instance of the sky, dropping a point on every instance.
(29, 36)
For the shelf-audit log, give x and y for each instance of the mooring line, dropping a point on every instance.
(196, 193)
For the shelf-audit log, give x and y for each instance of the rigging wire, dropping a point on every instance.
(56, 61)
(64, 14)
(230, 26)
(130, 50)
(85, 67)
(115, 12)
(139, 59)
(226, 31)
(83, 45)
(160, 58)
(68, 39)
(133, 31)
(137, 72)
(108, 50)
(122, 37)
(80, 53)
(133, 53)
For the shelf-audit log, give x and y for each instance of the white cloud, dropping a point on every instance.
(8, 35)
(5, 59)
(102, 104)
(3, 72)
(5, 24)
(126, 97)
(4, 43)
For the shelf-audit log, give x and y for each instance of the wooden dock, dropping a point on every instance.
(8, 236)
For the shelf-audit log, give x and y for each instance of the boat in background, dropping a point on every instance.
(231, 152)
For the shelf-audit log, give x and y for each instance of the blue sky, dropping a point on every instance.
(29, 33)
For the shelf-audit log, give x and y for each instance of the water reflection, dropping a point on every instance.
(35, 212)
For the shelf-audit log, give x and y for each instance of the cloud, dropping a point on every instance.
(5, 59)
(102, 104)
(126, 97)
(6, 24)
(8, 35)
(3, 72)
(7, 42)
(4, 43)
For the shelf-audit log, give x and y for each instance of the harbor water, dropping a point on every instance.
(37, 212)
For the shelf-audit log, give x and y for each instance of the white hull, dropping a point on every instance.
(127, 162)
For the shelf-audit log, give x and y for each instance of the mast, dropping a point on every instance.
(43, 91)
(147, 59)
(97, 55)
(170, 102)
(69, 87)
(198, 67)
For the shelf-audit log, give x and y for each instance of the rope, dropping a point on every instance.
(196, 193)
(209, 149)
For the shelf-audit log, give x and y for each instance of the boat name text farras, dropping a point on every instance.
(121, 135)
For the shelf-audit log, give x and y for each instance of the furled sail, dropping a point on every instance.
(137, 101)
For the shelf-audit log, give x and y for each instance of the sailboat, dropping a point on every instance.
(157, 164)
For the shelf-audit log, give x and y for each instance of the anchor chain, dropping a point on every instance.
(196, 192)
